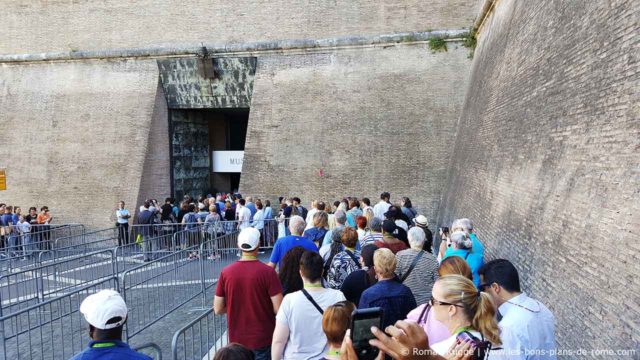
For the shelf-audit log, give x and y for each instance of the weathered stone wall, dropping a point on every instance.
(355, 122)
(546, 161)
(75, 135)
(187, 85)
(28, 26)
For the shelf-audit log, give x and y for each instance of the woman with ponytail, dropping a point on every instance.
(458, 304)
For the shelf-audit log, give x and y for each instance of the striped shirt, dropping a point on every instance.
(423, 275)
(371, 238)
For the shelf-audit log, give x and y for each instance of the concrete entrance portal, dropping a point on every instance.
(208, 101)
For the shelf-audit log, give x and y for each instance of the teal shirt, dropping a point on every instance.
(474, 259)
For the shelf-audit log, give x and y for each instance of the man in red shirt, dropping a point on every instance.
(249, 292)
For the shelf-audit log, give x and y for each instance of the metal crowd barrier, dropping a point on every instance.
(150, 349)
(200, 338)
(152, 289)
(54, 329)
(87, 237)
(133, 254)
(159, 287)
(22, 289)
(25, 251)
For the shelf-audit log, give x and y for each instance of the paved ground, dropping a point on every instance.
(163, 296)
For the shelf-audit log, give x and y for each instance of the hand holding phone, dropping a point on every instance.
(361, 322)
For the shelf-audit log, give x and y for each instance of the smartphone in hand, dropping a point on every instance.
(361, 322)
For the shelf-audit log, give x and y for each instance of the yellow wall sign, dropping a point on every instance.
(3, 180)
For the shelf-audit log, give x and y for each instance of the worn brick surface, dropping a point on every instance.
(28, 26)
(355, 122)
(547, 161)
(75, 135)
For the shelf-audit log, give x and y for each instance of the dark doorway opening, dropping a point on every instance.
(227, 131)
(195, 135)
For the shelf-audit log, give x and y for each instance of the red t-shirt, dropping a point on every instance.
(395, 247)
(247, 288)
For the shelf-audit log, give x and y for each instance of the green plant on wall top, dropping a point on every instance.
(437, 44)
(469, 41)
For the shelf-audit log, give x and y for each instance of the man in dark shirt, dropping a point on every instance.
(10, 231)
(145, 218)
(395, 299)
(32, 219)
(249, 292)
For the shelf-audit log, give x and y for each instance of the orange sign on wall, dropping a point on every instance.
(3, 180)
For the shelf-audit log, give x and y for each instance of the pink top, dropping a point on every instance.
(436, 331)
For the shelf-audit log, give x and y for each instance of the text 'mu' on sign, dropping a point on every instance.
(227, 161)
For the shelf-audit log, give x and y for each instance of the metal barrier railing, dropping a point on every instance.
(157, 288)
(52, 330)
(152, 290)
(24, 288)
(22, 249)
(150, 349)
(200, 338)
(87, 237)
(136, 253)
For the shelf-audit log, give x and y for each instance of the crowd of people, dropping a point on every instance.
(434, 303)
(444, 303)
(22, 234)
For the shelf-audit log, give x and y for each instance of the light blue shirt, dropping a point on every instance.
(120, 214)
(258, 220)
(475, 261)
(268, 213)
(477, 246)
(329, 234)
(527, 329)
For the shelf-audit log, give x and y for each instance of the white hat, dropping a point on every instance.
(249, 239)
(103, 306)
(421, 220)
(200, 206)
(402, 224)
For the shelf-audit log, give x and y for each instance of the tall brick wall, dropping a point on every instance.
(355, 122)
(75, 136)
(27, 26)
(546, 161)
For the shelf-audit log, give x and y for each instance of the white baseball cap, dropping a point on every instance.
(103, 306)
(249, 239)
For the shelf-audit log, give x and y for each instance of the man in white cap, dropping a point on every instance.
(422, 222)
(106, 313)
(249, 292)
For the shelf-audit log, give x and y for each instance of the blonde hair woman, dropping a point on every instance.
(395, 299)
(458, 304)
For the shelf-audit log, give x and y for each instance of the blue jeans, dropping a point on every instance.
(262, 353)
(27, 244)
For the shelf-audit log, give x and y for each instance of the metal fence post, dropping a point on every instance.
(3, 345)
(202, 279)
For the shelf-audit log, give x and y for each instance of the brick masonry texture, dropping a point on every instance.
(75, 136)
(547, 160)
(27, 26)
(355, 122)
